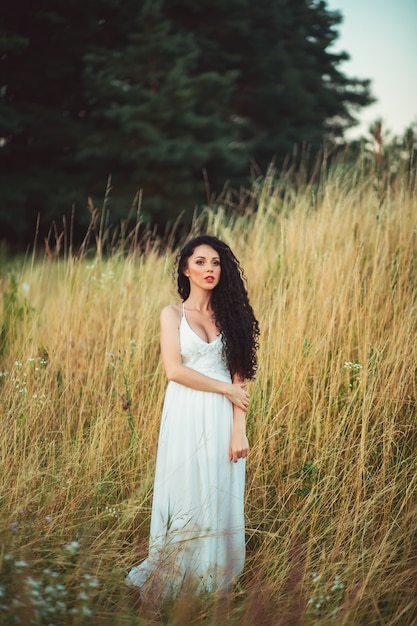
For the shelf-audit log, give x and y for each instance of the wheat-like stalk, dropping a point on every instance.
(331, 480)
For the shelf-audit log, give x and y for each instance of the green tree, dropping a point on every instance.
(289, 89)
(159, 118)
(161, 96)
(42, 111)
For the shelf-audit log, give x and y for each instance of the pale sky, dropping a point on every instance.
(381, 38)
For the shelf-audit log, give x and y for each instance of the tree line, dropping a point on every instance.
(175, 100)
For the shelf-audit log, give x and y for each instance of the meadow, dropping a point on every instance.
(331, 503)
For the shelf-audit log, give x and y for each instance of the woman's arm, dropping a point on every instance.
(179, 373)
(239, 445)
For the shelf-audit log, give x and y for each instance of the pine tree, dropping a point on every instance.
(289, 89)
(42, 110)
(159, 118)
(162, 95)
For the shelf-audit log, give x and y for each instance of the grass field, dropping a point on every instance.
(331, 506)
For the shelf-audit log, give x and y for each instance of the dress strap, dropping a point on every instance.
(183, 310)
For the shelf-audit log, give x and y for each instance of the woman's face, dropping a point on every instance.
(203, 267)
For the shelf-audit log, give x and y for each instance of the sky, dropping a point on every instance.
(381, 38)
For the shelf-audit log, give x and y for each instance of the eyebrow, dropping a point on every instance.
(203, 257)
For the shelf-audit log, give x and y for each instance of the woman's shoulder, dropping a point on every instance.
(171, 312)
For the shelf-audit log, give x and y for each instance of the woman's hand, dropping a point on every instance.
(239, 445)
(237, 394)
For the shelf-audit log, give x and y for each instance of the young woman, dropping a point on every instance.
(208, 346)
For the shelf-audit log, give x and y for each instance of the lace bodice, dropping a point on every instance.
(200, 355)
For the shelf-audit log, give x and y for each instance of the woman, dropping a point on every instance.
(208, 347)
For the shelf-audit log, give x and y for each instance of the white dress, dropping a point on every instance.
(197, 532)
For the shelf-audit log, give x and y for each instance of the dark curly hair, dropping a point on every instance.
(230, 304)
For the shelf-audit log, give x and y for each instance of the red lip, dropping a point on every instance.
(210, 279)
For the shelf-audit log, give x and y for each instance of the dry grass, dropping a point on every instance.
(331, 483)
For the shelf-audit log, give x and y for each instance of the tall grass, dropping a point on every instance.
(331, 479)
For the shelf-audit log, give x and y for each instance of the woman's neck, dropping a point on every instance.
(199, 301)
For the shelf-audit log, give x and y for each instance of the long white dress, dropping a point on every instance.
(197, 532)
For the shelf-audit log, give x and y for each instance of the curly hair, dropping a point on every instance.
(230, 303)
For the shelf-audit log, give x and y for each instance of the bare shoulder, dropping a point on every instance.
(171, 314)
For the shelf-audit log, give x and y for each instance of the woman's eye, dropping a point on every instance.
(200, 262)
